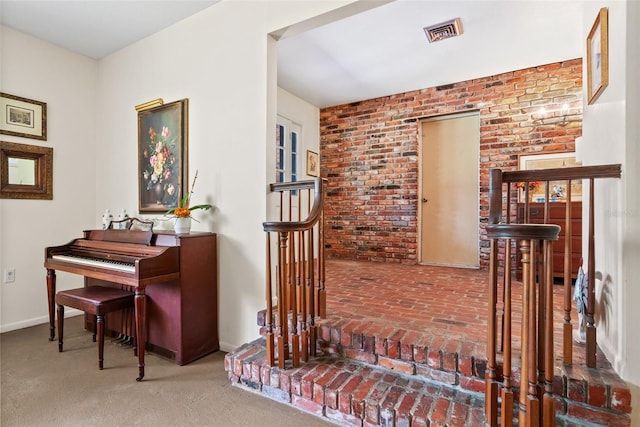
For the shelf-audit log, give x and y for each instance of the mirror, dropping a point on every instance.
(27, 171)
(22, 171)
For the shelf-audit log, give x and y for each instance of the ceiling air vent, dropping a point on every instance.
(443, 30)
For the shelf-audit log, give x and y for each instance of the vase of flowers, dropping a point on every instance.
(182, 212)
(531, 185)
(160, 166)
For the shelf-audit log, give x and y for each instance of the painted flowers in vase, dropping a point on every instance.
(182, 212)
(160, 171)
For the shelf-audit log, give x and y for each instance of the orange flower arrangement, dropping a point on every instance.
(532, 185)
(183, 210)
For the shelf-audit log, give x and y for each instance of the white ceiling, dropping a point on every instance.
(377, 52)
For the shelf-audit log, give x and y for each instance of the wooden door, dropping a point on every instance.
(449, 200)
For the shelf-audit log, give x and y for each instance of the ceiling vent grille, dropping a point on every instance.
(443, 30)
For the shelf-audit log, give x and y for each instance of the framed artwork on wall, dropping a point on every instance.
(27, 171)
(557, 189)
(313, 164)
(23, 117)
(598, 56)
(162, 156)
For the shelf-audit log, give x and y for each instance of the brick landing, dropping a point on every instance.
(405, 346)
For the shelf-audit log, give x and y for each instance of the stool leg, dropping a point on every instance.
(60, 325)
(95, 327)
(100, 327)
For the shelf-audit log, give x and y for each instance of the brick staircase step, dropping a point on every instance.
(584, 396)
(597, 395)
(352, 393)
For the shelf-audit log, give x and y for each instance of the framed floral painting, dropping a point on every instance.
(162, 156)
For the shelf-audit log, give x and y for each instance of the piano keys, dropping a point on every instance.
(173, 276)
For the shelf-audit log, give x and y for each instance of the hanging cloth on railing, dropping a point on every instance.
(580, 297)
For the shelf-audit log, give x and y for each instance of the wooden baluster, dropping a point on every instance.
(525, 250)
(548, 403)
(283, 330)
(312, 297)
(533, 403)
(591, 292)
(295, 338)
(567, 331)
(303, 299)
(322, 296)
(269, 317)
(507, 392)
(491, 385)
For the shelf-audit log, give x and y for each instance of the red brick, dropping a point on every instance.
(307, 381)
(576, 390)
(597, 395)
(396, 365)
(321, 382)
(597, 416)
(307, 405)
(361, 356)
(331, 391)
(358, 397)
(422, 410)
(440, 410)
(621, 399)
(344, 394)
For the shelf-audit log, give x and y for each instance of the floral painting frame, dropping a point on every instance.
(162, 156)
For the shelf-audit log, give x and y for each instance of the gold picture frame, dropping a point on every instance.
(162, 156)
(598, 56)
(23, 117)
(557, 189)
(27, 171)
(313, 164)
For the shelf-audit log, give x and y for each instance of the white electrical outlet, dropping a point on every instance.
(9, 275)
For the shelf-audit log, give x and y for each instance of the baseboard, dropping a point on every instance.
(68, 312)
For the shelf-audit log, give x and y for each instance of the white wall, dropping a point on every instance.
(610, 136)
(219, 59)
(629, 369)
(222, 60)
(37, 70)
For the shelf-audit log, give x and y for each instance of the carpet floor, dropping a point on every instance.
(41, 387)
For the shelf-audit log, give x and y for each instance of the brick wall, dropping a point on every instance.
(369, 151)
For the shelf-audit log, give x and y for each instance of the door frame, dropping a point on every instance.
(444, 116)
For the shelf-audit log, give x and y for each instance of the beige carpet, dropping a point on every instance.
(41, 387)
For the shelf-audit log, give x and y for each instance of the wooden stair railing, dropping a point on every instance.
(298, 270)
(535, 243)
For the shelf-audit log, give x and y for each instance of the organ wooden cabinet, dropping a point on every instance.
(557, 215)
(182, 314)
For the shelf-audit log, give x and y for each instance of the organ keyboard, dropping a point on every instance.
(151, 265)
(97, 262)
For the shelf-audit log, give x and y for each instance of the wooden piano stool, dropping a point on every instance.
(97, 301)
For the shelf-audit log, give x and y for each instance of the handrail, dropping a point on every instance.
(298, 272)
(536, 266)
(314, 214)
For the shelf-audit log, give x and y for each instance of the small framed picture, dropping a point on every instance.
(598, 56)
(313, 164)
(23, 117)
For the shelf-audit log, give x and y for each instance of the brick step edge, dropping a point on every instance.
(352, 393)
(349, 392)
(461, 363)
